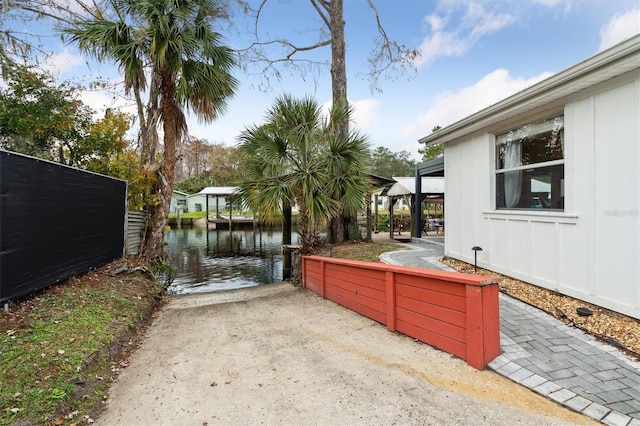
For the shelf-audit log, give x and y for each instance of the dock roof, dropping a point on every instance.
(219, 190)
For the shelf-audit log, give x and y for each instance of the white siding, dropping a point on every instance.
(135, 231)
(616, 200)
(591, 250)
(194, 199)
(467, 195)
(576, 270)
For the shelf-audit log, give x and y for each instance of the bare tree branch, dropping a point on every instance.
(388, 54)
(324, 14)
(385, 59)
(257, 20)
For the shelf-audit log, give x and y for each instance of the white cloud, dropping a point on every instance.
(226, 129)
(217, 132)
(553, 3)
(62, 62)
(366, 112)
(100, 100)
(437, 23)
(449, 107)
(476, 21)
(619, 28)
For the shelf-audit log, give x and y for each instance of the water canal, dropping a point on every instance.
(222, 259)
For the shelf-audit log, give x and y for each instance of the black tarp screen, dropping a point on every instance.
(55, 222)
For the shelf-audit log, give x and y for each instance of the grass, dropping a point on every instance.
(190, 215)
(368, 252)
(60, 348)
(56, 346)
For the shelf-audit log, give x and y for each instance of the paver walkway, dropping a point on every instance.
(547, 356)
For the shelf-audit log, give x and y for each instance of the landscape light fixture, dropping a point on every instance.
(475, 249)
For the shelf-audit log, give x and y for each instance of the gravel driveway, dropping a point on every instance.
(278, 354)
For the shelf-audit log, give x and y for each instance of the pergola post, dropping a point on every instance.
(417, 207)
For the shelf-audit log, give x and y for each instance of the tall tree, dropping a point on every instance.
(274, 52)
(46, 119)
(193, 158)
(388, 164)
(294, 156)
(384, 57)
(218, 165)
(434, 151)
(172, 44)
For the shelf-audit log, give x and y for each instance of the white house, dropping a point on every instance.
(547, 182)
(215, 197)
(196, 202)
(178, 202)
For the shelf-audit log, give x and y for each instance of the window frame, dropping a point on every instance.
(498, 141)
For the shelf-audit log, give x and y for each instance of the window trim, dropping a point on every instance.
(532, 215)
(531, 166)
(497, 141)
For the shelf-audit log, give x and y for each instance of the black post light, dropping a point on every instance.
(476, 249)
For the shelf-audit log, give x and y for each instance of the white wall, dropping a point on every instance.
(174, 206)
(590, 251)
(194, 199)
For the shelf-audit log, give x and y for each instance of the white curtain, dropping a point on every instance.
(511, 144)
(512, 180)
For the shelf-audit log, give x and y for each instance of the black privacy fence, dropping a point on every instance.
(55, 222)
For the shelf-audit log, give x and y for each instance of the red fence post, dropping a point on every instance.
(491, 321)
(483, 325)
(475, 344)
(390, 305)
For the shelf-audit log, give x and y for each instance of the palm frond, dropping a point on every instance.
(295, 158)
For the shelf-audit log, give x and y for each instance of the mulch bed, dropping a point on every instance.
(612, 327)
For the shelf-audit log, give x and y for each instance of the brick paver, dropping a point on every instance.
(546, 355)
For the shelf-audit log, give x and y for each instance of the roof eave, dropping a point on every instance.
(606, 65)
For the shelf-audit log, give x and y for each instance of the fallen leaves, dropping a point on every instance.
(59, 343)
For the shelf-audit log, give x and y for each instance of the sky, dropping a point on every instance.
(474, 54)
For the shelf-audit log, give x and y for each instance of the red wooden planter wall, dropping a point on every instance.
(456, 312)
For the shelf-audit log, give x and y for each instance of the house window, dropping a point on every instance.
(198, 207)
(530, 166)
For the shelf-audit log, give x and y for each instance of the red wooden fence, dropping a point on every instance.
(456, 312)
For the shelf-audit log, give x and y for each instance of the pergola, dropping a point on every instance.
(407, 187)
(218, 192)
(433, 168)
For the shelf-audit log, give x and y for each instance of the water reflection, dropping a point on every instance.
(222, 260)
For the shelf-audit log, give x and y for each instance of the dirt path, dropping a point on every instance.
(277, 354)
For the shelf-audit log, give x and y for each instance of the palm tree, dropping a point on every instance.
(172, 43)
(298, 157)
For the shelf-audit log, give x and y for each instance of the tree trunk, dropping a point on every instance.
(148, 124)
(338, 55)
(147, 145)
(339, 92)
(155, 243)
(158, 220)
